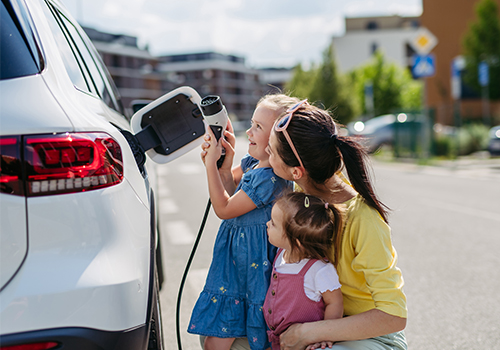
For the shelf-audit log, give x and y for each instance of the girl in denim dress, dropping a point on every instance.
(230, 305)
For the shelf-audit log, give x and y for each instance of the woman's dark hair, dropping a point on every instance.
(314, 223)
(323, 152)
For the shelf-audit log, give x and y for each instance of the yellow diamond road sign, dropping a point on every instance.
(423, 41)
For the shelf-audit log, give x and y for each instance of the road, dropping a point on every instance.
(445, 225)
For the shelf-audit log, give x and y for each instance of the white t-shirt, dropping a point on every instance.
(318, 279)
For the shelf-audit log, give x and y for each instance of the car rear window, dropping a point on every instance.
(16, 57)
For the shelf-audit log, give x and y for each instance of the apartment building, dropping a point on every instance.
(134, 70)
(212, 73)
(365, 35)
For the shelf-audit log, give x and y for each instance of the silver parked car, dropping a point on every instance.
(392, 130)
(494, 141)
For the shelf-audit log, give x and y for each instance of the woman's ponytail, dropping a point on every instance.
(323, 152)
(354, 157)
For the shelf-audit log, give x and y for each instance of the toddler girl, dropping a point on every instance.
(304, 285)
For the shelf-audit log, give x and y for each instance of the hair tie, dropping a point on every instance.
(306, 202)
(326, 205)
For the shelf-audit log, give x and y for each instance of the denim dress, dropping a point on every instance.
(230, 305)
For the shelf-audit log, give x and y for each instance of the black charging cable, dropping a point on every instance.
(186, 270)
(191, 256)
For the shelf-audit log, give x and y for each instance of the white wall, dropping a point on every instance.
(355, 48)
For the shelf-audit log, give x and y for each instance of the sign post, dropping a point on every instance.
(484, 81)
(424, 65)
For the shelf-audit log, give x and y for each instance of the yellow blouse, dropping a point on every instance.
(367, 265)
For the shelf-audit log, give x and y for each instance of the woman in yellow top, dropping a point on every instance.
(305, 147)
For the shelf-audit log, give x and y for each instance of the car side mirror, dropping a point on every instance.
(168, 127)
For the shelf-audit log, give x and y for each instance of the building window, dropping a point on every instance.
(115, 61)
(372, 25)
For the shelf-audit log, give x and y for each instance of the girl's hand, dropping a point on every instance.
(212, 149)
(229, 138)
(322, 345)
(204, 147)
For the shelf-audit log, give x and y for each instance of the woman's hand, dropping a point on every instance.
(292, 338)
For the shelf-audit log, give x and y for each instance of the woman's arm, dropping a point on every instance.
(369, 324)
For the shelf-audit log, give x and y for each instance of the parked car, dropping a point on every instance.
(387, 130)
(494, 142)
(80, 258)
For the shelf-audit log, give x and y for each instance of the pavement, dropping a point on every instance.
(479, 165)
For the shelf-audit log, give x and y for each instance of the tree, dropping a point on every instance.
(393, 86)
(324, 86)
(481, 43)
(301, 82)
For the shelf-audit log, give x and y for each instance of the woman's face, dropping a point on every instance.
(279, 167)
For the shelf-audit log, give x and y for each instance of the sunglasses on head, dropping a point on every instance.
(282, 124)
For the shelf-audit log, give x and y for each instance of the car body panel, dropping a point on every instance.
(33, 111)
(13, 235)
(85, 268)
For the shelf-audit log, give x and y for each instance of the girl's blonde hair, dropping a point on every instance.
(279, 103)
(313, 223)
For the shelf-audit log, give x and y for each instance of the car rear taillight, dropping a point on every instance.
(60, 163)
(32, 346)
(11, 166)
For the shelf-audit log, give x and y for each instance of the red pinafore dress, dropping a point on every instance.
(287, 303)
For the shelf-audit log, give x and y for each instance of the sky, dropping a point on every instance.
(268, 33)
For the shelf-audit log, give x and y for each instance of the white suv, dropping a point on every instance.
(79, 251)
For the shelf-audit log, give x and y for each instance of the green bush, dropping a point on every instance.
(472, 138)
(444, 146)
(468, 139)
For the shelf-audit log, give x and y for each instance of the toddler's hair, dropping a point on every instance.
(314, 223)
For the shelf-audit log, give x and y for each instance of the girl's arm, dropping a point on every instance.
(334, 304)
(369, 324)
(225, 205)
(334, 309)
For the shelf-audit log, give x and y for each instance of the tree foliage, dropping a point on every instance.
(393, 86)
(344, 94)
(481, 42)
(323, 86)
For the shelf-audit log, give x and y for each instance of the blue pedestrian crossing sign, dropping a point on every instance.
(423, 66)
(483, 73)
